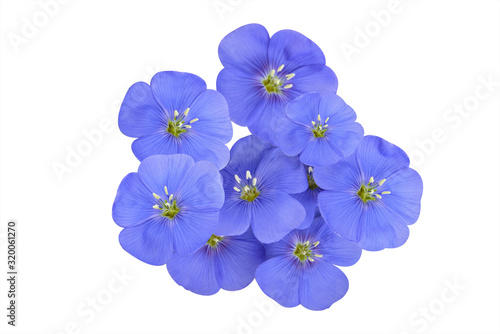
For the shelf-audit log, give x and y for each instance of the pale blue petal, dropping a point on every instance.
(192, 229)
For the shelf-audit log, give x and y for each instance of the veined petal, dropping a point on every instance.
(159, 171)
(344, 176)
(201, 187)
(212, 114)
(176, 90)
(237, 259)
(320, 152)
(345, 137)
(343, 212)
(150, 242)
(380, 159)
(321, 285)
(156, 143)
(246, 154)
(192, 228)
(235, 216)
(203, 147)
(195, 272)
(313, 78)
(264, 124)
(293, 50)
(274, 215)
(279, 278)
(309, 200)
(245, 48)
(292, 137)
(334, 107)
(304, 109)
(133, 203)
(140, 113)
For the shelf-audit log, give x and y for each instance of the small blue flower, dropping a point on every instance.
(258, 181)
(223, 262)
(300, 268)
(309, 199)
(170, 205)
(261, 75)
(321, 129)
(177, 114)
(371, 196)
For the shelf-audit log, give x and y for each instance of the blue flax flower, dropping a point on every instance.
(300, 268)
(258, 181)
(227, 263)
(371, 196)
(321, 129)
(177, 114)
(170, 205)
(261, 75)
(309, 198)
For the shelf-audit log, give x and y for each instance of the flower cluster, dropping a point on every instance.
(305, 193)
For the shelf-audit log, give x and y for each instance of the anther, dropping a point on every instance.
(237, 178)
(281, 67)
(288, 86)
(166, 190)
(156, 196)
(249, 176)
(386, 192)
(237, 189)
(194, 120)
(254, 181)
(186, 112)
(176, 113)
(382, 182)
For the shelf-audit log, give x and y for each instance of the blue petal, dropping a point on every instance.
(292, 137)
(343, 212)
(265, 125)
(192, 228)
(246, 154)
(345, 137)
(237, 259)
(176, 90)
(332, 105)
(245, 48)
(202, 147)
(235, 215)
(322, 285)
(133, 203)
(155, 144)
(150, 242)
(279, 278)
(304, 109)
(195, 272)
(309, 200)
(244, 93)
(320, 152)
(406, 192)
(277, 171)
(140, 113)
(210, 108)
(159, 171)
(379, 158)
(333, 248)
(201, 187)
(293, 50)
(274, 215)
(381, 229)
(344, 176)
(313, 78)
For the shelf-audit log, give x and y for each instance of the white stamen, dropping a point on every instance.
(313, 123)
(246, 188)
(156, 206)
(325, 126)
(249, 176)
(310, 259)
(254, 181)
(194, 120)
(166, 190)
(386, 192)
(288, 86)
(326, 120)
(237, 178)
(371, 180)
(237, 189)
(281, 67)
(176, 113)
(310, 170)
(316, 244)
(382, 182)
(167, 204)
(306, 243)
(170, 198)
(186, 112)
(156, 196)
(319, 118)
(272, 73)
(289, 76)
(378, 196)
(318, 255)
(187, 126)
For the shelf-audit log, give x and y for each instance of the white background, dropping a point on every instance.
(71, 75)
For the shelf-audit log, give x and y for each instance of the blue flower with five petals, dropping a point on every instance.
(261, 75)
(258, 181)
(177, 114)
(301, 267)
(371, 196)
(170, 205)
(320, 129)
(227, 263)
